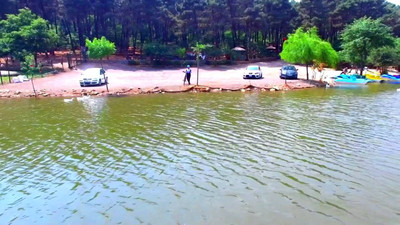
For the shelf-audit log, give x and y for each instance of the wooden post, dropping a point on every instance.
(40, 69)
(198, 64)
(33, 86)
(8, 70)
(1, 78)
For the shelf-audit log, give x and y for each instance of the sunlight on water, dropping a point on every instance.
(303, 157)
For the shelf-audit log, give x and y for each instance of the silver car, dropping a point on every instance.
(253, 72)
(93, 76)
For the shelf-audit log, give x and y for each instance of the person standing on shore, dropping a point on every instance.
(102, 71)
(344, 71)
(188, 74)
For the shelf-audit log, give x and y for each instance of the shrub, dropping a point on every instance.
(158, 62)
(133, 62)
(155, 50)
(214, 52)
(181, 52)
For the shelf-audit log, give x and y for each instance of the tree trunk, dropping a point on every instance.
(68, 30)
(362, 68)
(307, 70)
(80, 32)
(55, 25)
(365, 55)
(8, 70)
(35, 57)
(232, 13)
(96, 25)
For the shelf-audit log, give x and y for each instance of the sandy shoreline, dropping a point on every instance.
(133, 80)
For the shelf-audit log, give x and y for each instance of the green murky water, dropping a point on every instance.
(304, 157)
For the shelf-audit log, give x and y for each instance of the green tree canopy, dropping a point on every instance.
(181, 52)
(384, 57)
(27, 65)
(4, 49)
(312, 13)
(307, 47)
(363, 37)
(392, 18)
(199, 48)
(100, 48)
(29, 68)
(25, 33)
(248, 23)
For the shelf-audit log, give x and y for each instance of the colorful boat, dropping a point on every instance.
(346, 80)
(375, 76)
(397, 75)
(391, 79)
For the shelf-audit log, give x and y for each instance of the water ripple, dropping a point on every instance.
(229, 158)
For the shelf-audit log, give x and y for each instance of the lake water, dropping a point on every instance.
(303, 157)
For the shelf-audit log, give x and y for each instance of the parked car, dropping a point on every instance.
(288, 72)
(93, 76)
(253, 71)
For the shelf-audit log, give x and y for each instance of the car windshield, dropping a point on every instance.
(93, 70)
(253, 68)
(289, 68)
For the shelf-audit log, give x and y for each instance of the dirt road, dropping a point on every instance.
(122, 76)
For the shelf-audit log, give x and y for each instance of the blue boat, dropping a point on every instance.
(346, 80)
(391, 79)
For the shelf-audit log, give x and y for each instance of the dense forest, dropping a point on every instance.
(222, 23)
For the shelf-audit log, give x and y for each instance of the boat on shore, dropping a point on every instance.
(375, 76)
(391, 79)
(350, 80)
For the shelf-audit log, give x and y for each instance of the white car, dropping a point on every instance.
(93, 76)
(253, 71)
